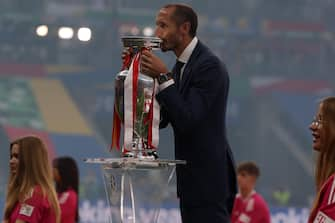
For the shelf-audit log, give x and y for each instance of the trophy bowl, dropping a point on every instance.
(145, 87)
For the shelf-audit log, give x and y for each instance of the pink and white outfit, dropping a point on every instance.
(252, 209)
(325, 211)
(68, 201)
(34, 209)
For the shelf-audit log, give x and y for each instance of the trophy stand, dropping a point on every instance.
(135, 188)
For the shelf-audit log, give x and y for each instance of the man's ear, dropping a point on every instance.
(186, 27)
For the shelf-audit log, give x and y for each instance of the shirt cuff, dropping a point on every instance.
(165, 85)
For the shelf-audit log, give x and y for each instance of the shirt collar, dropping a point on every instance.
(248, 196)
(186, 54)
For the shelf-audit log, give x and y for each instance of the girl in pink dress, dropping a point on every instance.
(323, 132)
(67, 180)
(31, 196)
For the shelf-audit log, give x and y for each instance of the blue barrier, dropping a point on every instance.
(98, 212)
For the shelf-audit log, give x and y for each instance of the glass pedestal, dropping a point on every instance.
(135, 188)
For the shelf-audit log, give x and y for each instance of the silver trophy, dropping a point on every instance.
(141, 147)
(137, 183)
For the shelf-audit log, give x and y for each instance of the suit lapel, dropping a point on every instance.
(187, 73)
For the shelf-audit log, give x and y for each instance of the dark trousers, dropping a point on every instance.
(213, 212)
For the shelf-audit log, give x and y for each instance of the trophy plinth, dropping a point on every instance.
(134, 187)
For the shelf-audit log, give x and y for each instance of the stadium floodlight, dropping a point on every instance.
(148, 31)
(135, 31)
(65, 32)
(84, 34)
(42, 30)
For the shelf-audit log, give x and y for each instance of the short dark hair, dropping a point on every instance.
(249, 167)
(184, 13)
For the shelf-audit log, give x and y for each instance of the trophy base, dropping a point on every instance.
(144, 154)
(150, 155)
(135, 187)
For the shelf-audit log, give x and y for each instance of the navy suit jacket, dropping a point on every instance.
(197, 112)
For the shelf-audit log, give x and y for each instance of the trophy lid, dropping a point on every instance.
(141, 41)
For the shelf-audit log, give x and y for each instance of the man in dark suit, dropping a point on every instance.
(193, 99)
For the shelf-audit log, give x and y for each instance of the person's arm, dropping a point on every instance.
(326, 213)
(33, 208)
(20, 221)
(153, 66)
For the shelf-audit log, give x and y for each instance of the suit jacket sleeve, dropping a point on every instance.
(164, 118)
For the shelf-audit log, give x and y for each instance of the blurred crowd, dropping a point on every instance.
(254, 38)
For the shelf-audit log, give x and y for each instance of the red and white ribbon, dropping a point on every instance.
(130, 95)
(154, 117)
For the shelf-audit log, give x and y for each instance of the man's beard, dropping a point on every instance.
(168, 46)
(164, 48)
